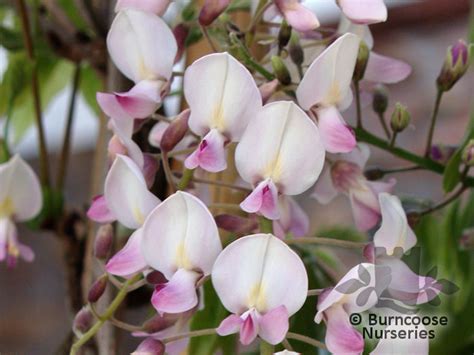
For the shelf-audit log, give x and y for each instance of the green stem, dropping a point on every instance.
(384, 124)
(305, 339)
(167, 169)
(326, 241)
(192, 334)
(394, 138)
(445, 203)
(266, 225)
(66, 148)
(109, 312)
(185, 179)
(28, 41)
(266, 348)
(439, 95)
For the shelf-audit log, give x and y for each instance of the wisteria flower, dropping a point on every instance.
(132, 45)
(345, 175)
(262, 282)
(298, 16)
(325, 89)
(364, 11)
(129, 201)
(293, 219)
(157, 7)
(281, 152)
(223, 97)
(180, 239)
(20, 200)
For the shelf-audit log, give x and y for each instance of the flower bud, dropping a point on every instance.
(380, 99)
(181, 33)
(103, 241)
(362, 59)
(97, 289)
(284, 34)
(442, 153)
(281, 71)
(150, 168)
(468, 153)
(150, 346)
(235, 224)
(295, 49)
(82, 321)
(211, 10)
(455, 65)
(175, 132)
(158, 322)
(400, 118)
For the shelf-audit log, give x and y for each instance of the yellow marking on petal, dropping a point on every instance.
(6, 207)
(138, 215)
(13, 250)
(256, 298)
(333, 96)
(217, 120)
(273, 169)
(182, 260)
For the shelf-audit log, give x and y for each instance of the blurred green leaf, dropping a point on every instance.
(10, 39)
(89, 85)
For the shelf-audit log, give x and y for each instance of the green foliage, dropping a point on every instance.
(10, 39)
(89, 85)
(439, 240)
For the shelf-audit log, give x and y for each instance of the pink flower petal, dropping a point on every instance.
(26, 253)
(211, 10)
(386, 70)
(210, 155)
(150, 346)
(337, 136)
(274, 325)
(263, 199)
(299, 17)
(365, 209)
(129, 260)
(230, 325)
(142, 100)
(324, 190)
(178, 295)
(249, 329)
(99, 212)
(364, 11)
(293, 219)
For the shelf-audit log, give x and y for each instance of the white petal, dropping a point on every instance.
(327, 81)
(394, 231)
(359, 155)
(281, 144)
(20, 190)
(141, 45)
(180, 234)
(127, 194)
(362, 31)
(221, 94)
(364, 11)
(324, 190)
(260, 271)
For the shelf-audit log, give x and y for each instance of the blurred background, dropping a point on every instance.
(34, 316)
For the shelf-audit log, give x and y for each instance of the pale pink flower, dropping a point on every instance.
(157, 7)
(364, 11)
(293, 219)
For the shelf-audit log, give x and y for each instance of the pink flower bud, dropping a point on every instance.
(97, 289)
(103, 241)
(468, 153)
(82, 321)
(455, 65)
(235, 224)
(180, 32)
(150, 346)
(175, 132)
(211, 10)
(158, 322)
(268, 89)
(150, 167)
(442, 153)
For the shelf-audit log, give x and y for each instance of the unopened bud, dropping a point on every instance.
(211, 10)
(400, 118)
(467, 239)
(442, 153)
(103, 241)
(150, 346)
(158, 322)
(380, 99)
(150, 168)
(468, 153)
(175, 132)
(181, 33)
(455, 65)
(361, 63)
(295, 49)
(82, 321)
(97, 289)
(374, 174)
(235, 224)
(155, 278)
(281, 71)
(284, 34)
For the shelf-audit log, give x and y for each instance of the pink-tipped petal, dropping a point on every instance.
(210, 154)
(336, 135)
(142, 100)
(386, 70)
(282, 144)
(127, 194)
(263, 199)
(249, 328)
(365, 208)
(274, 325)
(341, 337)
(111, 107)
(131, 43)
(221, 94)
(99, 212)
(129, 260)
(230, 325)
(324, 190)
(150, 346)
(394, 231)
(364, 11)
(178, 295)
(299, 17)
(157, 7)
(327, 81)
(20, 192)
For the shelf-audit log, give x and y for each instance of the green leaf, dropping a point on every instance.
(10, 39)
(210, 317)
(89, 85)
